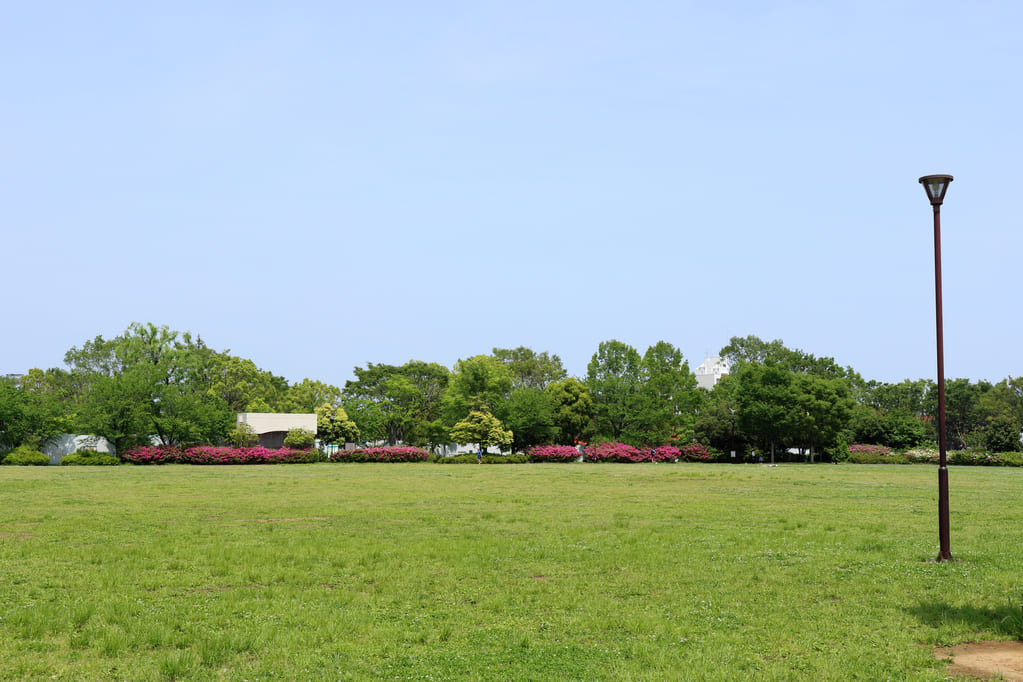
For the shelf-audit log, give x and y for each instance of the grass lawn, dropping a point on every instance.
(528, 572)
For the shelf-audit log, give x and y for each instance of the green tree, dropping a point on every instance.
(531, 418)
(530, 369)
(241, 384)
(27, 416)
(572, 410)
(334, 426)
(766, 404)
(306, 395)
(482, 428)
(397, 403)
(477, 382)
(614, 377)
(150, 382)
(668, 396)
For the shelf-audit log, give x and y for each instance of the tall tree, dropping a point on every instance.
(668, 396)
(573, 410)
(397, 403)
(531, 418)
(150, 382)
(479, 381)
(614, 377)
(530, 369)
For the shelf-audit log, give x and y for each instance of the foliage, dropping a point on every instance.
(666, 453)
(1001, 433)
(482, 428)
(530, 418)
(668, 396)
(479, 383)
(695, 452)
(333, 425)
(387, 454)
(512, 458)
(150, 381)
(892, 428)
(871, 454)
(242, 436)
(26, 414)
(299, 439)
(553, 453)
(922, 455)
(303, 397)
(573, 410)
(25, 455)
(614, 379)
(205, 454)
(530, 369)
(397, 404)
(89, 458)
(615, 452)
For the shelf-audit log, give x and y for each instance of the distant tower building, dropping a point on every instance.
(710, 372)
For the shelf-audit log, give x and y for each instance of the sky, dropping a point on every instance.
(319, 185)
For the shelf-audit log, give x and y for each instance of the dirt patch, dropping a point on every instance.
(985, 660)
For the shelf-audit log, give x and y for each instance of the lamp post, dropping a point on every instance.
(936, 186)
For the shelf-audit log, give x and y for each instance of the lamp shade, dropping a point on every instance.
(936, 186)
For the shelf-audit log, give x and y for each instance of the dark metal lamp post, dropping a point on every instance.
(936, 186)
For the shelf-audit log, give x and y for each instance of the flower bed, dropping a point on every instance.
(382, 454)
(666, 453)
(615, 452)
(695, 452)
(553, 453)
(208, 454)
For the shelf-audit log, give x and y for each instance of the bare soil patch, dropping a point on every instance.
(985, 660)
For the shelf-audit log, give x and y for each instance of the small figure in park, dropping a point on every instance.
(479, 456)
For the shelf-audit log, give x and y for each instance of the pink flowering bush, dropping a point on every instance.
(553, 453)
(872, 454)
(666, 453)
(393, 453)
(695, 452)
(615, 452)
(208, 454)
(154, 454)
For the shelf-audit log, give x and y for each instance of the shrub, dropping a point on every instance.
(205, 454)
(89, 458)
(154, 454)
(242, 436)
(553, 453)
(514, 458)
(615, 452)
(921, 456)
(25, 455)
(695, 452)
(666, 453)
(299, 439)
(393, 453)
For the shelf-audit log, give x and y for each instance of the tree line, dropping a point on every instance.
(154, 382)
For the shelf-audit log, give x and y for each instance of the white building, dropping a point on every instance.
(272, 427)
(710, 372)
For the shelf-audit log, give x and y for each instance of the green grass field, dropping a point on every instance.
(529, 572)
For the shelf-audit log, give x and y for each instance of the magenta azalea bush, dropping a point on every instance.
(694, 452)
(880, 450)
(208, 454)
(393, 453)
(615, 452)
(553, 453)
(666, 453)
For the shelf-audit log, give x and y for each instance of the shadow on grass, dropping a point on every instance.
(1006, 620)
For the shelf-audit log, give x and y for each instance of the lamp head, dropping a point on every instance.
(936, 186)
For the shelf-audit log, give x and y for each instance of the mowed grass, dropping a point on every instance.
(530, 572)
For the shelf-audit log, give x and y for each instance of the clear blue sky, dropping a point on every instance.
(317, 185)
